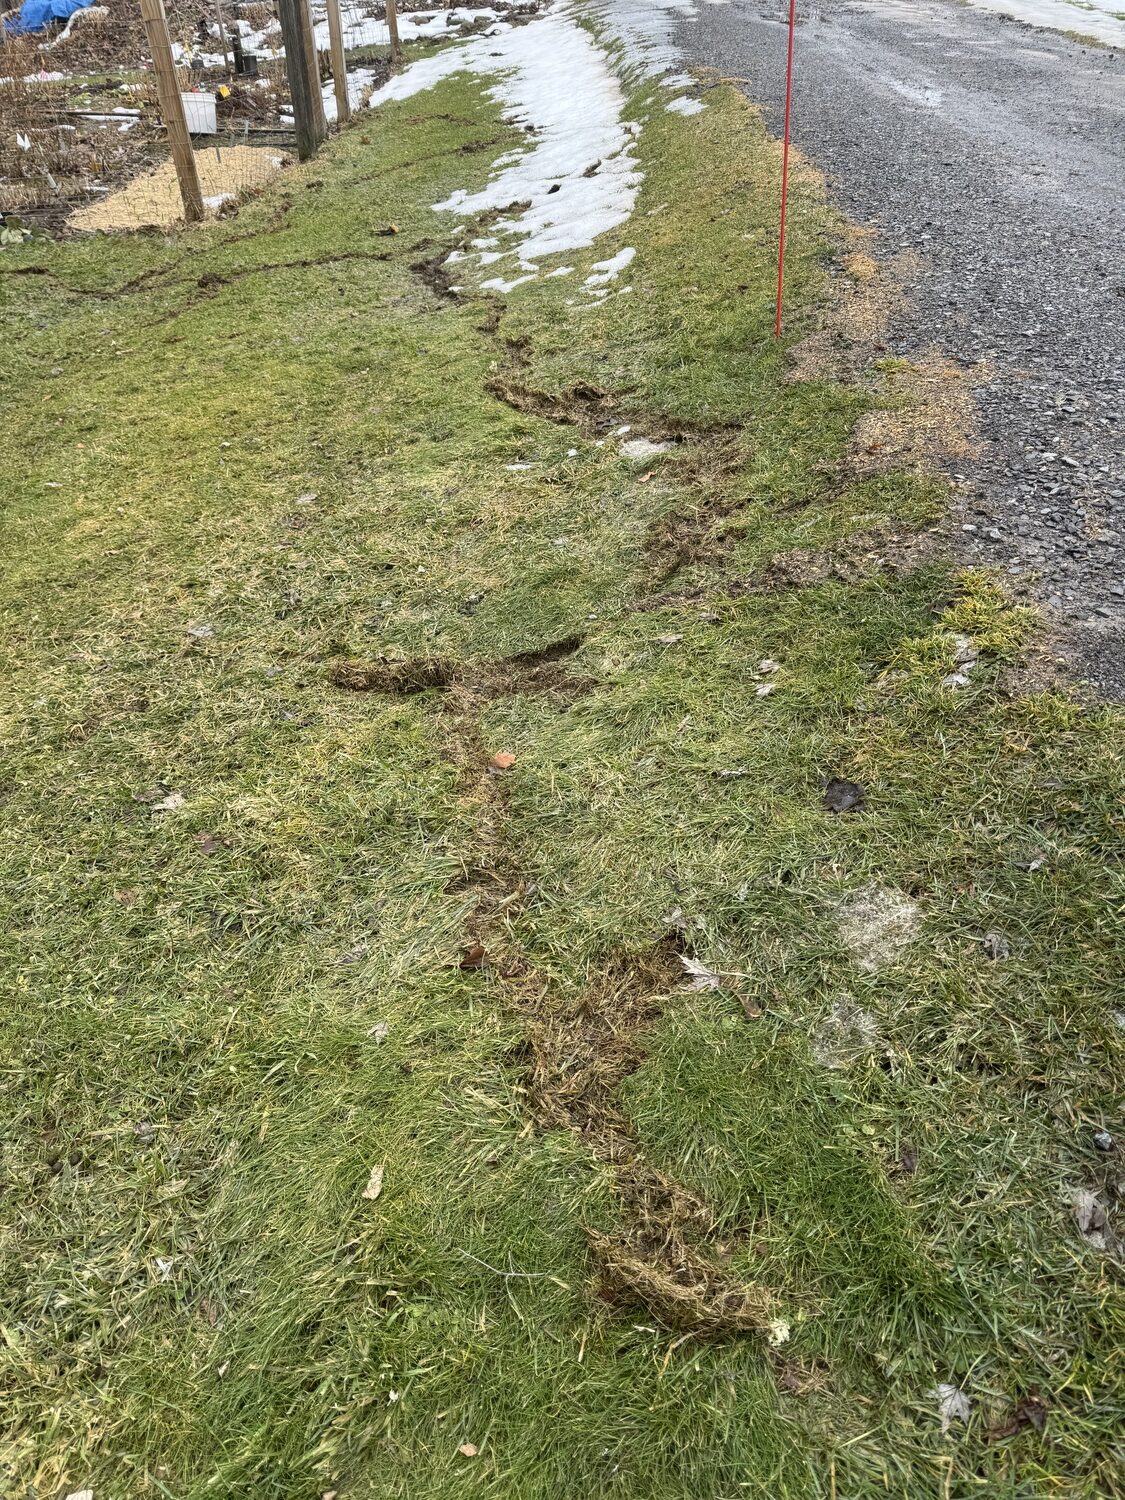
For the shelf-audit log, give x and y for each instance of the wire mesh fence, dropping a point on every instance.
(84, 147)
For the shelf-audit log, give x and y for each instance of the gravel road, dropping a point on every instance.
(996, 153)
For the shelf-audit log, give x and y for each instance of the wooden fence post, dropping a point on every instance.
(223, 34)
(339, 66)
(172, 107)
(392, 28)
(303, 75)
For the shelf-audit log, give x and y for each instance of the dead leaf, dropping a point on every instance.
(125, 897)
(907, 1163)
(201, 632)
(995, 946)
(764, 689)
(749, 1009)
(668, 640)
(675, 919)
(374, 1184)
(1030, 1412)
(1092, 1219)
(172, 803)
(953, 1405)
(842, 796)
(469, 1450)
(207, 842)
(503, 760)
(379, 1032)
(353, 955)
(475, 958)
(700, 976)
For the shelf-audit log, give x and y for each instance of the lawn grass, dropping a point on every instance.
(241, 457)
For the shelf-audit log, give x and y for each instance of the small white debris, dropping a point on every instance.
(379, 1032)
(668, 640)
(778, 1331)
(201, 632)
(767, 664)
(764, 689)
(374, 1184)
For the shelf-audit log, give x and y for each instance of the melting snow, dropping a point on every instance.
(555, 79)
(577, 172)
(606, 270)
(1102, 19)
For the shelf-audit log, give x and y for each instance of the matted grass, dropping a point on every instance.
(241, 893)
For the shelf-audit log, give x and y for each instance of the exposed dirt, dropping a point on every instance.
(664, 1253)
(536, 671)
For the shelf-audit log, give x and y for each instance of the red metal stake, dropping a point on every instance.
(785, 166)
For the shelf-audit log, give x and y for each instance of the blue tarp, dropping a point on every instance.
(35, 14)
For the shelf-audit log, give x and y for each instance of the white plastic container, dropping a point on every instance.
(199, 112)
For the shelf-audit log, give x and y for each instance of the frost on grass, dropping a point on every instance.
(846, 1034)
(875, 925)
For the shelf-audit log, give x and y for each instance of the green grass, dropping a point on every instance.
(197, 1301)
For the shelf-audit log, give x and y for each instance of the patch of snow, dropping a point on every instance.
(554, 78)
(498, 284)
(1104, 20)
(606, 270)
(684, 106)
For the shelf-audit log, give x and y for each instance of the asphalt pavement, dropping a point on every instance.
(996, 153)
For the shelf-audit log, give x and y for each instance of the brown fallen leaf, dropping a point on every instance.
(374, 1184)
(503, 760)
(475, 958)
(469, 1450)
(749, 1009)
(207, 842)
(126, 896)
(1030, 1412)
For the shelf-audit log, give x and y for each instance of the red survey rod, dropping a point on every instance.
(785, 166)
